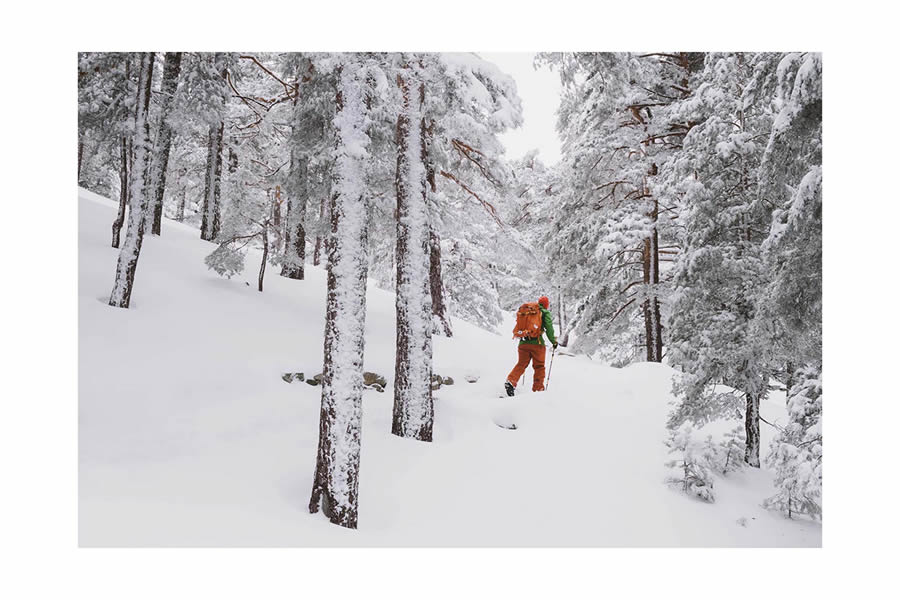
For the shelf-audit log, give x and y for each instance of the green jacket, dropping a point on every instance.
(547, 320)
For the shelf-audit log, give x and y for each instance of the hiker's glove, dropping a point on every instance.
(554, 345)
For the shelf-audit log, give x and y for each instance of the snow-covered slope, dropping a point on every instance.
(189, 437)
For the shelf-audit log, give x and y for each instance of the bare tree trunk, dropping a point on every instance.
(179, 209)
(413, 415)
(164, 139)
(440, 318)
(209, 228)
(645, 305)
(295, 233)
(650, 306)
(336, 483)
(265, 256)
(80, 154)
(751, 425)
(131, 249)
(655, 314)
(317, 251)
(123, 194)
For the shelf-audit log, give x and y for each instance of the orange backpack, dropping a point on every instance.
(528, 321)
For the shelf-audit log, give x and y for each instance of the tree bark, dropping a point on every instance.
(164, 140)
(413, 415)
(131, 248)
(179, 209)
(440, 318)
(80, 154)
(650, 306)
(336, 483)
(751, 425)
(317, 250)
(123, 194)
(209, 228)
(295, 231)
(265, 256)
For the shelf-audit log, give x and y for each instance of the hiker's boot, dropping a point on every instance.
(510, 390)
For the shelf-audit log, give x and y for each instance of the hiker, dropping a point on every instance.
(532, 320)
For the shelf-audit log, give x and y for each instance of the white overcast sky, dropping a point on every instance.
(539, 90)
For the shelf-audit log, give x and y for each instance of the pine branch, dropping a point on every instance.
(487, 205)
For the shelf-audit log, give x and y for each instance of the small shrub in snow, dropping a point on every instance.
(225, 260)
(796, 454)
(732, 449)
(692, 463)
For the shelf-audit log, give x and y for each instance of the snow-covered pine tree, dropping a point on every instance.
(618, 226)
(413, 414)
(262, 140)
(211, 211)
(469, 102)
(171, 71)
(691, 464)
(312, 134)
(248, 218)
(791, 310)
(202, 101)
(796, 453)
(720, 274)
(732, 449)
(134, 235)
(292, 265)
(336, 483)
(106, 91)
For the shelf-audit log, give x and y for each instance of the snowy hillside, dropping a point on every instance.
(188, 436)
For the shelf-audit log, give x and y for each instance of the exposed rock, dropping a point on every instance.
(376, 387)
(448, 381)
(316, 380)
(369, 379)
(471, 378)
(436, 381)
(289, 377)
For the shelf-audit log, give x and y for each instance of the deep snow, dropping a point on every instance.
(188, 436)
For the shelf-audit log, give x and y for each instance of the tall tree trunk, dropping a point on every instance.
(650, 306)
(265, 256)
(131, 248)
(336, 483)
(295, 233)
(440, 318)
(413, 403)
(751, 425)
(179, 208)
(655, 314)
(80, 154)
(645, 305)
(164, 139)
(209, 228)
(123, 193)
(317, 250)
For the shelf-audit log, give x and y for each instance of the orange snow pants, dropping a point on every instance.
(534, 353)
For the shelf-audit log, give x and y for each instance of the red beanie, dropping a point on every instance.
(544, 301)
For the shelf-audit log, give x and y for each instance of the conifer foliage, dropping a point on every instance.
(707, 169)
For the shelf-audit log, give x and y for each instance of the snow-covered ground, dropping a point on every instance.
(188, 436)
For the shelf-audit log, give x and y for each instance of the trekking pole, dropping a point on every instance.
(550, 370)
